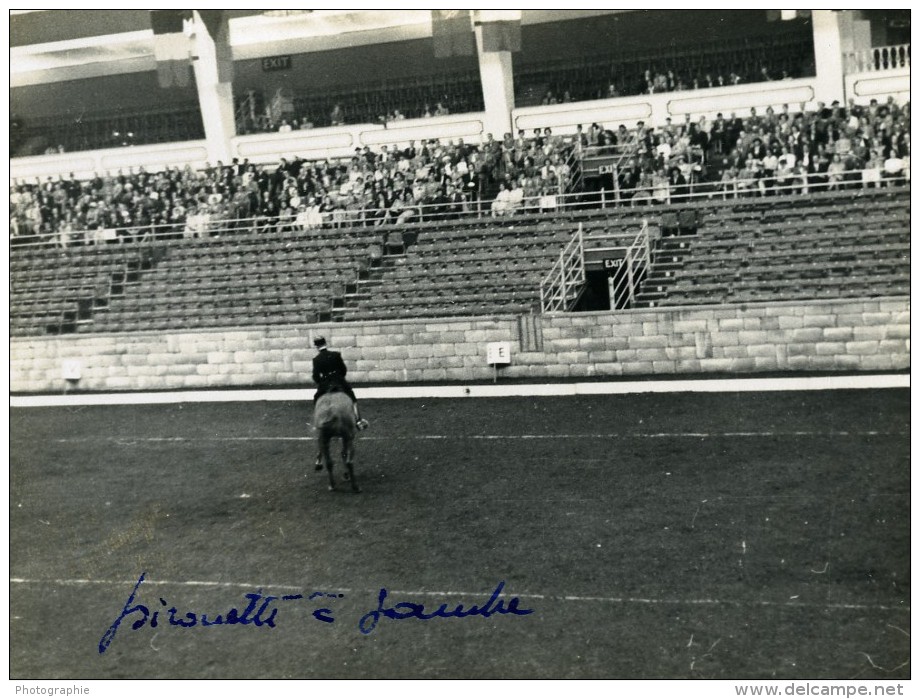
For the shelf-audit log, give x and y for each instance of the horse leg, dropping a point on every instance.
(327, 457)
(348, 456)
(319, 459)
(345, 459)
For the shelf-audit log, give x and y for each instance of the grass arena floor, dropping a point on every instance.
(729, 535)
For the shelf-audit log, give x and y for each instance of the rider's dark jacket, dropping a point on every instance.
(330, 369)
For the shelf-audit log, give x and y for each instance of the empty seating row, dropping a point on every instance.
(747, 256)
(808, 250)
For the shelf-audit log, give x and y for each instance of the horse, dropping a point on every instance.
(333, 416)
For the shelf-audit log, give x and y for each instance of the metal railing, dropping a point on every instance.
(612, 155)
(574, 161)
(246, 117)
(879, 58)
(562, 286)
(473, 208)
(635, 266)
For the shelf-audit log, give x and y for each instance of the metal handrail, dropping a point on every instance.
(562, 284)
(576, 171)
(474, 208)
(636, 263)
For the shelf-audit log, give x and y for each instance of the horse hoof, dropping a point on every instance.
(319, 467)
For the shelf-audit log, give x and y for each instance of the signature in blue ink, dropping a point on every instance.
(260, 611)
(414, 610)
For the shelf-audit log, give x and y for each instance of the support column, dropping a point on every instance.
(828, 45)
(495, 72)
(214, 78)
(855, 32)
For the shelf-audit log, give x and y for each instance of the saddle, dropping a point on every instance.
(333, 384)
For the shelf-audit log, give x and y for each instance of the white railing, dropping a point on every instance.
(281, 106)
(574, 163)
(561, 287)
(878, 59)
(246, 117)
(614, 155)
(634, 269)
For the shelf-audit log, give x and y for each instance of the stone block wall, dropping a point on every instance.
(833, 335)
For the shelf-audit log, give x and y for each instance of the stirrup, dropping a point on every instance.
(362, 424)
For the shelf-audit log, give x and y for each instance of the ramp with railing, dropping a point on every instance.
(634, 269)
(561, 288)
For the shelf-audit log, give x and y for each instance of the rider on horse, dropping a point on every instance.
(329, 372)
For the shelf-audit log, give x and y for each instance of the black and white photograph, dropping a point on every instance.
(480, 344)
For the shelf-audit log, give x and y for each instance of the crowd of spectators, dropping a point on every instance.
(694, 66)
(828, 148)
(652, 82)
(834, 147)
(423, 180)
(337, 117)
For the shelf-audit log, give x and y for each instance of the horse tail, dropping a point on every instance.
(334, 413)
(329, 420)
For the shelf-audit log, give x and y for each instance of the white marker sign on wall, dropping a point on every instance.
(71, 369)
(498, 353)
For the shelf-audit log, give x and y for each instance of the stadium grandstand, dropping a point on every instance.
(450, 179)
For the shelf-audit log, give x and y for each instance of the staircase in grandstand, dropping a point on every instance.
(825, 245)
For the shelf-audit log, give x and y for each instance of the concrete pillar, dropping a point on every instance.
(214, 97)
(829, 67)
(495, 71)
(855, 32)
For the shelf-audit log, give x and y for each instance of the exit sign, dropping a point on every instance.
(276, 63)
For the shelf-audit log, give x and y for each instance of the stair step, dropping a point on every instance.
(674, 250)
(661, 275)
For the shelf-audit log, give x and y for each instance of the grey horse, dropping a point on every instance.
(333, 417)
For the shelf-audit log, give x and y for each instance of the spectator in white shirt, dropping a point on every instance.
(894, 167)
(501, 206)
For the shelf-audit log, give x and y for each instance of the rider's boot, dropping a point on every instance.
(361, 423)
